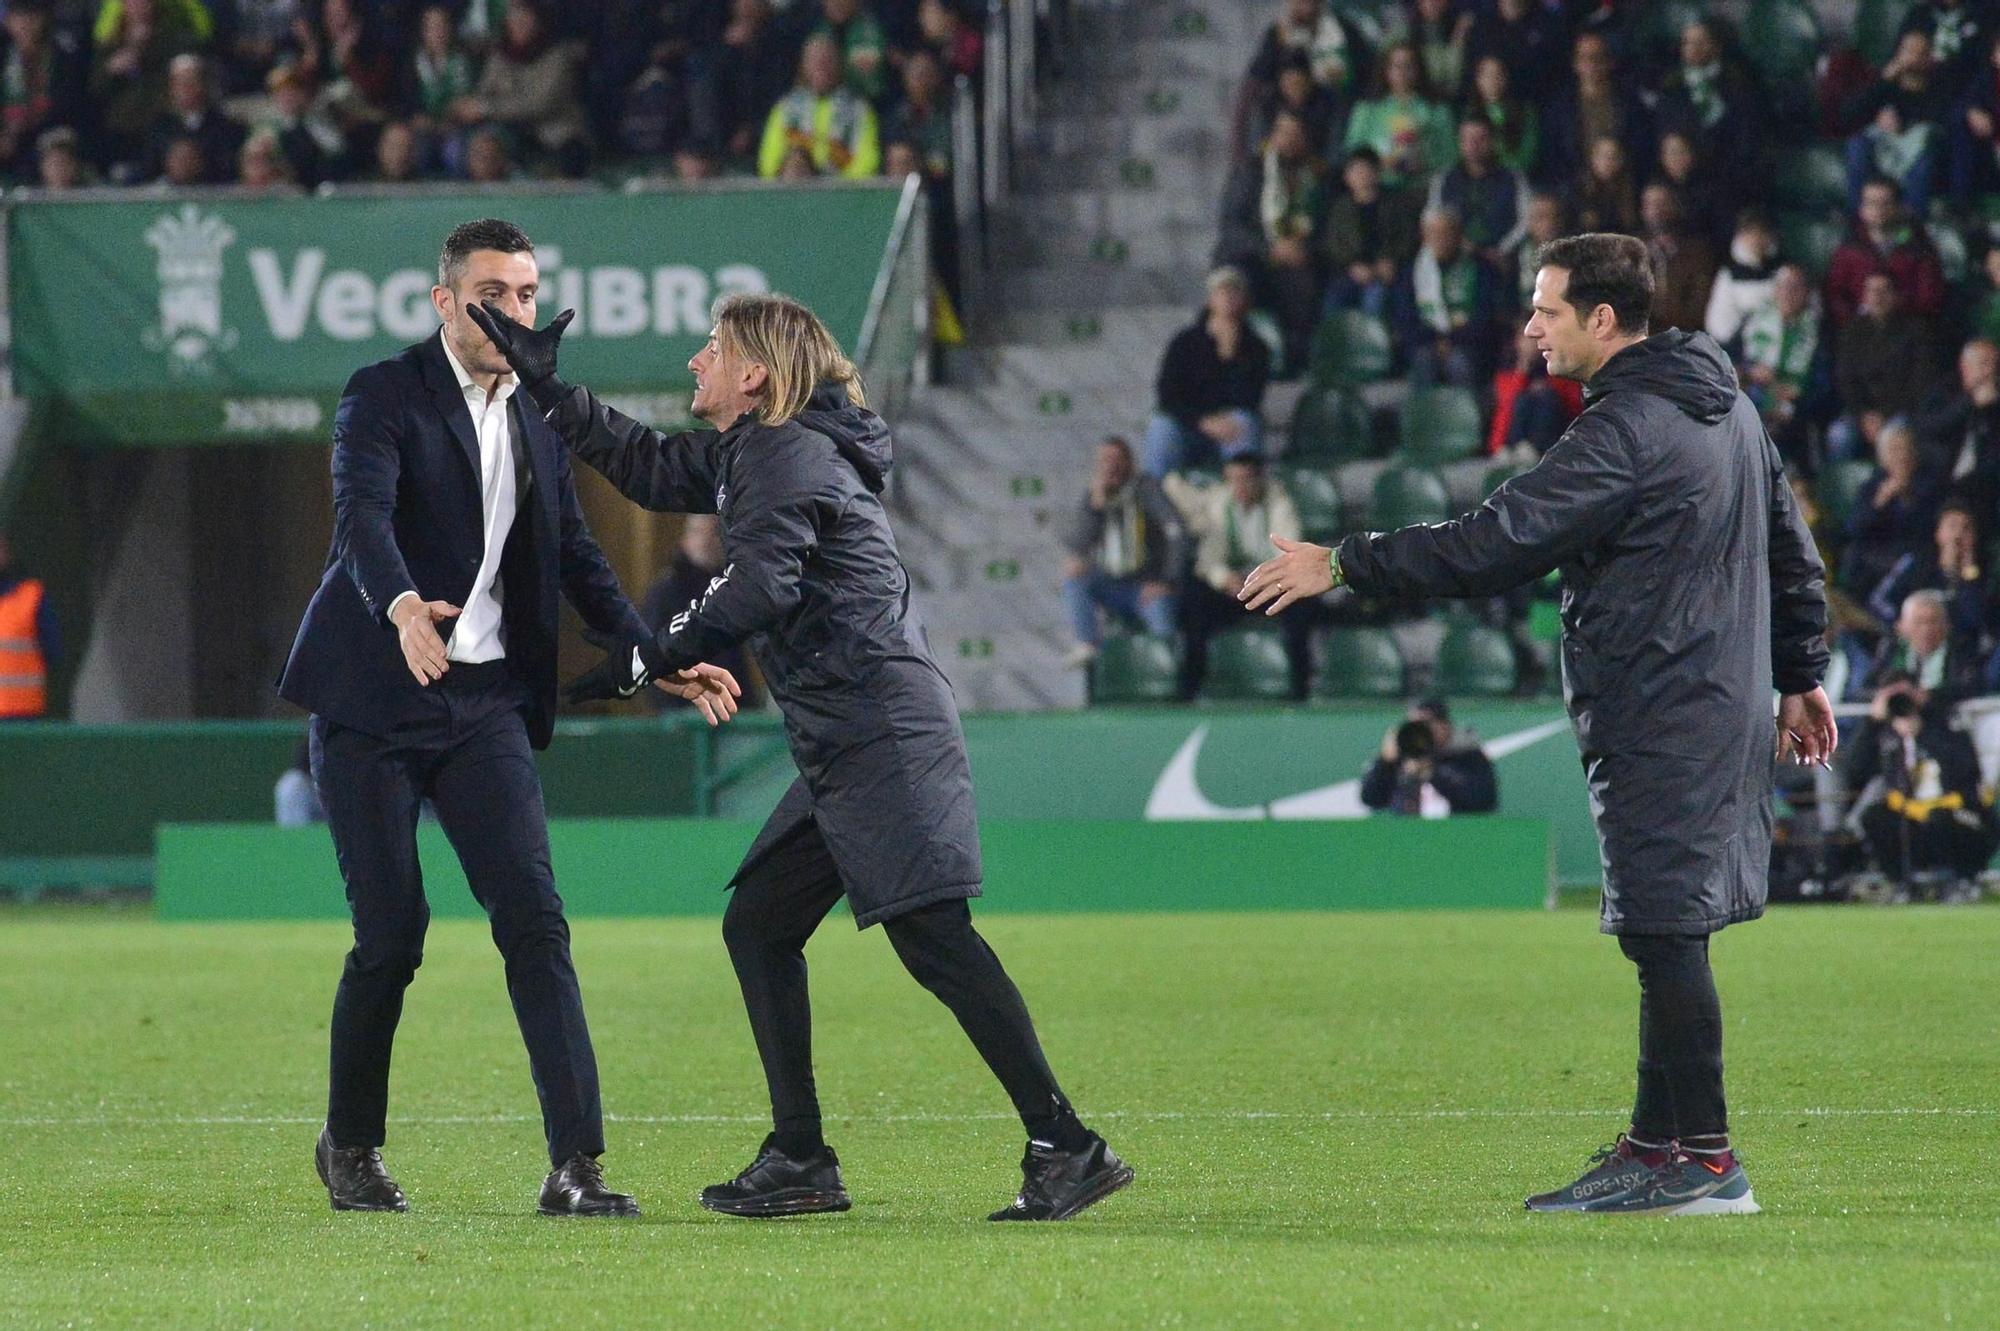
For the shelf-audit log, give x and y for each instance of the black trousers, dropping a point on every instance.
(476, 769)
(1205, 612)
(1900, 847)
(775, 909)
(1680, 1039)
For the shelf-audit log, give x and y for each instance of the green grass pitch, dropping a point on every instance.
(1333, 1117)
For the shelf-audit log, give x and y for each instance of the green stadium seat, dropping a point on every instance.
(1247, 665)
(1810, 180)
(1405, 495)
(1350, 348)
(1359, 663)
(1476, 659)
(1838, 490)
(1331, 424)
(1317, 499)
(1135, 668)
(1811, 238)
(1876, 26)
(1782, 40)
(1441, 425)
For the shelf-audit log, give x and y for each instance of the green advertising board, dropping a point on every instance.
(182, 321)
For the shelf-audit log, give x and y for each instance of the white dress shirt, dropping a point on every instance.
(479, 634)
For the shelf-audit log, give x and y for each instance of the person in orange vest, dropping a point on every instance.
(27, 642)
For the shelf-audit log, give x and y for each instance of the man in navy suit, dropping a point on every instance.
(428, 661)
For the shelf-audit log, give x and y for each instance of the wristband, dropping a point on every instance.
(1333, 567)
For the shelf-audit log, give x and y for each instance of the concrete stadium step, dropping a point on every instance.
(1086, 168)
(1062, 287)
(1023, 244)
(1112, 210)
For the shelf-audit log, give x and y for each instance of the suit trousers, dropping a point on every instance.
(474, 765)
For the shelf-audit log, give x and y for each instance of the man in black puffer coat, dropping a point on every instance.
(1691, 590)
(882, 811)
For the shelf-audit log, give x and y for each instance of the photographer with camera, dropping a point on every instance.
(1428, 768)
(1920, 810)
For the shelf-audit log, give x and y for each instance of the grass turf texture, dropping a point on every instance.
(1334, 1119)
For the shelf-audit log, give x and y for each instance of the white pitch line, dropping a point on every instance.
(1160, 1116)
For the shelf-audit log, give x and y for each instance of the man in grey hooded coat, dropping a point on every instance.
(1691, 590)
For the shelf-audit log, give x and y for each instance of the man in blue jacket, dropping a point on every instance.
(428, 661)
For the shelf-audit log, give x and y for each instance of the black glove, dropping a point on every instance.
(613, 676)
(532, 354)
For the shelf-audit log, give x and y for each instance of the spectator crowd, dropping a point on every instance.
(282, 95)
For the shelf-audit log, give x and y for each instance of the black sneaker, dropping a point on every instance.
(775, 1184)
(1614, 1170)
(355, 1177)
(1055, 1185)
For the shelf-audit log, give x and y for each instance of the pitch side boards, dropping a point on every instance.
(182, 321)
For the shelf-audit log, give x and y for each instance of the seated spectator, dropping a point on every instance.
(1438, 30)
(824, 118)
(1371, 236)
(442, 73)
(1307, 33)
(43, 81)
(295, 798)
(696, 562)
(1430, 768)
(181, 164)
(1884, 240)
(1959, 426)
(1745, 282)
(531, 86)
(1531, 409)
(1598, 104)
(1210, 390)
(1297, 93)
(1894, 512)
(398, 158)
(797, 166)
(1919, 806)
(1902, 135)
(1973, 135)
(361, 67)
(59, 163)
(1784, 362)
(1951, 568)
(656, 118)
(947, 33)
(1709, 99)
(1547, 220)
(1490, 199)
(1707, 204)
(923, 120)
(259, 35)
(1230, 525)
(864, 52)
(753, 68)
(136, 40)
(1125, 548)
(1605, 198)
(1683, 264)
(262, 167)
(1525, 36)
(1513, 120)
(489, 157)
(192, 114)
(1446, 309)
(1271, 227)
(1410, 133)
(1925, 659)
(1959, 34)
(1883, 366)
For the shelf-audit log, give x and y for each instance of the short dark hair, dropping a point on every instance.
(1605, 269)
(1366, 154)
(488, 233)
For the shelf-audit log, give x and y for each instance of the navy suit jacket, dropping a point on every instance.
(407, 517)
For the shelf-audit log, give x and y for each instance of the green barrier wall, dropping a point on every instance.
(197, 321)
(678, 866)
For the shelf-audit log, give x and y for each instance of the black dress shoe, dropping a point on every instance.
(578, 1189)
(775, 1184)
(354, 1177)
(1055, 1185)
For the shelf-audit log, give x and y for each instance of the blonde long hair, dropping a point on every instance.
(794, 347)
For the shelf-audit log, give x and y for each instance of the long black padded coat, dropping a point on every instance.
(812, 581)
(1690, 589)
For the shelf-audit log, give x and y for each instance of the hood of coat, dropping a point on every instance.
(859, 434)
(1687, 369)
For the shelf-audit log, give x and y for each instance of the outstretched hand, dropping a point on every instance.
(531, 353)
(1299, 571)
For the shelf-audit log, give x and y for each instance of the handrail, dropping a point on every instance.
(878, 295)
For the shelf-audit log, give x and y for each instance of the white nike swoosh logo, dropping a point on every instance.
(1177, 795)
